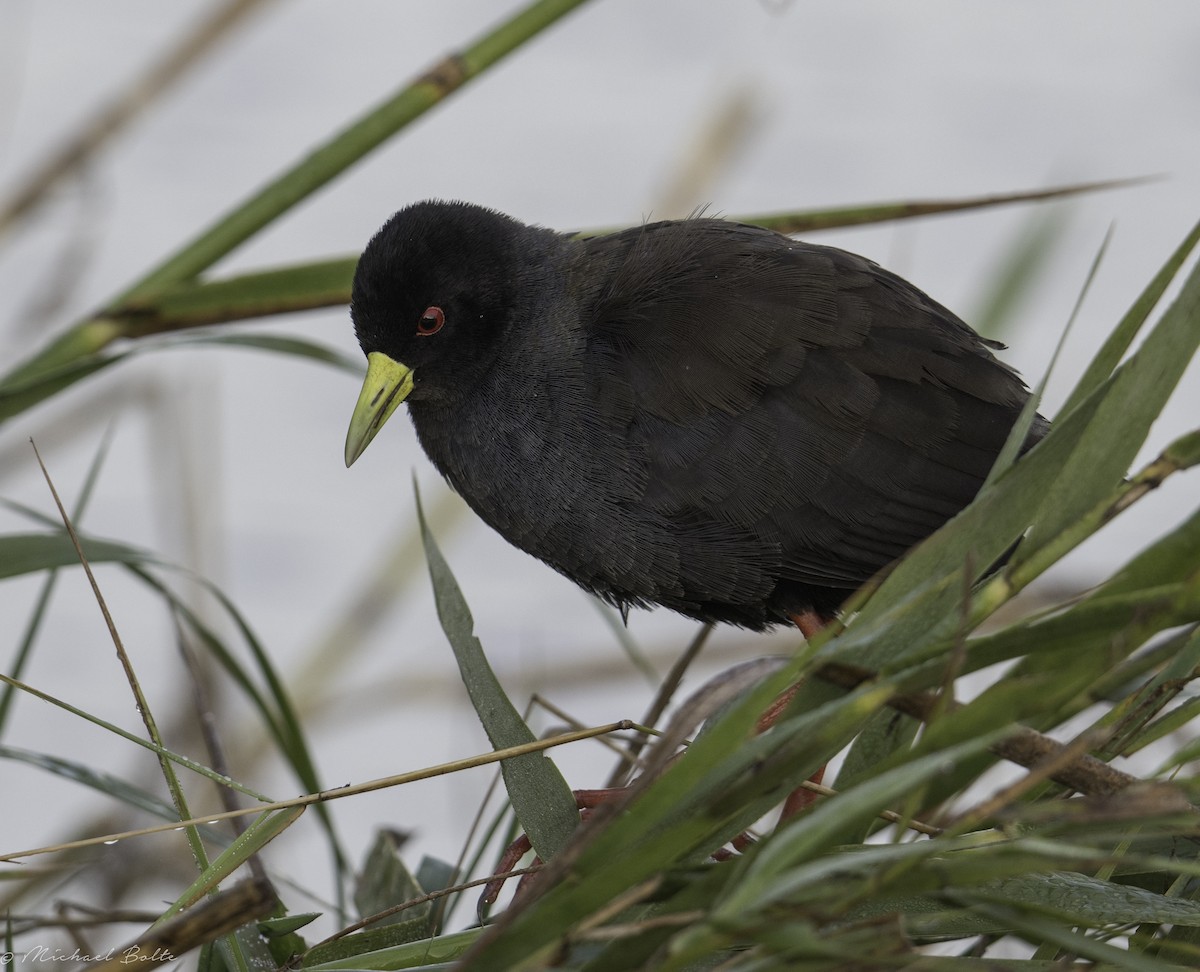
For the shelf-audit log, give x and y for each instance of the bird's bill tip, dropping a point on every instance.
(387, 384)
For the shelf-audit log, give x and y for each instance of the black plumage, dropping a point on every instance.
(697, 413)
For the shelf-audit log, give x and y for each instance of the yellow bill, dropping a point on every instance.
(387, 384)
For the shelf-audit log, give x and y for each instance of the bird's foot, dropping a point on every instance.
(586, 800)
(809, 622)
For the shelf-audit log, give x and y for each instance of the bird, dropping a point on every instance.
(698, 414)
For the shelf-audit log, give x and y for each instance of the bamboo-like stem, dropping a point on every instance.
(1180, 455)
(73, 154)
(351, 145)
(311, 173)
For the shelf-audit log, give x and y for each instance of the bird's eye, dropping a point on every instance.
(431, 321)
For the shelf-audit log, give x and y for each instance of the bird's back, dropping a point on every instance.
(794, 417)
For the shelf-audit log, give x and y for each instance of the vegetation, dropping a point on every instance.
(906, 861)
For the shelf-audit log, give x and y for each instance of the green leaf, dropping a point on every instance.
(433, 953)
(1120, 340)
(1172, 558)
(105, 783)
(807, 222)
(886, 734)
(1128, 404)
(1087, 625)
(1083, 900)
(246, 950)
(1018, 270)
(1076, 899)
(265, 828)
(1079, 462)
(287, 924)
(23, 392)
(277, 344)
(194, 303)
(1014, 444)
(1038, 930)
(771, 875)
(19, 394)
(384, 883)
(540, 796)
(27, 553)
(1173, 721)
(33, 625)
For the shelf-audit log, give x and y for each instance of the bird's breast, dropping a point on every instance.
(536, 464)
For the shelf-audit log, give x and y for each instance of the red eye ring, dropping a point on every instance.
(431, 321)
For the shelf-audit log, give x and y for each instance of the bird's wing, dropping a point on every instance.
(798, 393)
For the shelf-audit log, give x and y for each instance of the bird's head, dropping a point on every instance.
(434, 295)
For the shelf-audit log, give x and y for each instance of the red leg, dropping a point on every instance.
(508, 860)
(585, 800)
(809, 622)
(801, 798)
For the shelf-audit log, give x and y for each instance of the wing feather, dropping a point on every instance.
(798, 406)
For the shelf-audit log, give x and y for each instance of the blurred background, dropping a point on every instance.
(229, 462)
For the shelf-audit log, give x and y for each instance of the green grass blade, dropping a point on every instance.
(353, 143)
(1020, 430)
(159, 751)
(276, 344)
(540, 796)
(194, 303)
(1172, 558)
(1129, 403)
(436, 953)
(1017, 271)
(21, 390)
(23, 393)
(315, 170)
(27, 553)
(807, 222)
(265, 828)
(106, 783)
(766, 879)
(25, 648)
(1037, 930)
(1079, 462)
(1119, 341)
